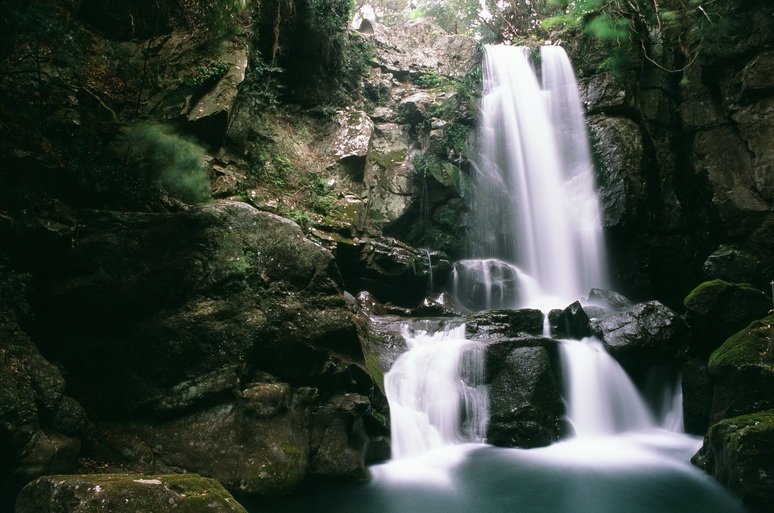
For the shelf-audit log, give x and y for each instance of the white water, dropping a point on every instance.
(535, 205)
(538, 243)
(436, 391)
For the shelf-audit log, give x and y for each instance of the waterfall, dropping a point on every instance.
(534, 202)
(436, 391)
(537, 243)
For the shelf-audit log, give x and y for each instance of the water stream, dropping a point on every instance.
(538, 243)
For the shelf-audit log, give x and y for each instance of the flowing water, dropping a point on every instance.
(537, 243)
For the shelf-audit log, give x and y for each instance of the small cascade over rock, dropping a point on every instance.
(436, 390)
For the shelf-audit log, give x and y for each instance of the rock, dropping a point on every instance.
(617, 143)
(697, 396)
(731, 264)
(525, 406)
(645, 334)
(42, 429)
(572, 322)
(603, 92)
(742, 372)
(353, 135)
(338, 439)
(717, 309)
(190, 314)
(388, 175)
(210, 115)
(391, 270)
(739, 453)
(438, 305)
(500, 324)
(162, 308)
(423, 48)
(609, 299)
(739, 205)
(125, 493)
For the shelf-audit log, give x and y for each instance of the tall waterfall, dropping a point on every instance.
(537, 235)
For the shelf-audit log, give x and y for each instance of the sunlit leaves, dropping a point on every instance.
(606, 28)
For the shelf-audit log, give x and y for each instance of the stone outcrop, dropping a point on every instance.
(218, 341)
(42, 428)
(683, 156)
(525, 407)
(742, 372)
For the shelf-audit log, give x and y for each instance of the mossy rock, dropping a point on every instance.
(739, 452)
(126, 493)
(742, 371)
(717, 309)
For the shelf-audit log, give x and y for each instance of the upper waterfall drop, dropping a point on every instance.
(534, 202)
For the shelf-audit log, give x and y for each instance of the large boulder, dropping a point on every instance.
(739, 453)
(645, 334)
(125, 493)
(717, 309)
(742, 372)
(198, 321)
(417, 48)
(525, 405)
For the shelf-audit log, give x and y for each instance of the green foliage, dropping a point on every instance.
(213, 20)
(209, 72)
(157, 155)
(434, 81)
(454, 16)
(606, 28)
(632, 24)
(329, 17)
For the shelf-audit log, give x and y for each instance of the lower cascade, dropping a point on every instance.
(537, 244)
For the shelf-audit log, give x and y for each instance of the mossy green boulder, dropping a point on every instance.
(739, 452)
(742, 371)
(126, 493)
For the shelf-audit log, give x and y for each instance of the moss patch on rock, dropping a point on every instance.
(125, 493)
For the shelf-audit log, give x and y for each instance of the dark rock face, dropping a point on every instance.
(161, 313)
(645, 334)
(125, 493)
(214, 340)
(731, 264)
(697, 396)
(682, 156)
(389, 269)
(526, 408)
(41, 428)
(572, 322)
(717, 309)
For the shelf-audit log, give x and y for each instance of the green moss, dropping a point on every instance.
(713, 289)
(718, 285)
(290, 449)
(389, 160)
(762, 420)
(749, 346)
(374, 369)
